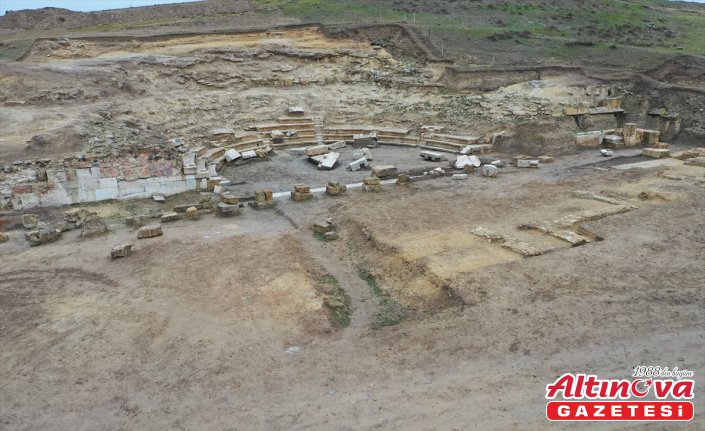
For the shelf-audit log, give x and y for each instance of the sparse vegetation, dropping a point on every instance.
(391, 312)
(336, 301)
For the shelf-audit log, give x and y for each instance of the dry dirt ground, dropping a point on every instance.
(221, 323)
(236, 324)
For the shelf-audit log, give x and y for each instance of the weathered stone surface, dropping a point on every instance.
(490, 171)
(334, 189)
(358, 164)
(689, 153)
(545, 159)
(468, 169)
(249, 154)
(158, 198)
(330, 236)
(462, 161)
(232, 155)
(337, 145)
(528, 164)
(262, 152)
(64, 226)
(326, 161)
(317, 150)
(607, 153)
(460, 176)
(696, 161)
(302, 188)
(42, 236)
(184, 207)
(384, 171)
(149, 231)
(93, 226)
(169, 217)
(403, 179)
(372, 181)
(297, 151)
(30, 221)
(433, 156)
(301, 196)
(365, 140)
(225, 210)
(656, 153)
(589, 139)
(651, 137)
(260, 205)
(72, 215)
(192, 213)
(121, 250)
(4, 237)
(324, 226)
(362, 153)
(229, 199)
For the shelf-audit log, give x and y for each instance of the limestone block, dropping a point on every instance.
(229, 199)
(323, 226)
(527, 163)
(225, 210)
(30, 221)
(335, 189)
(192, 213)
(149, 231)
(169, 217)
(317, 150)
(302, 188)
(656, 153)
(433, 156)
(93, 226)
(231, 155)
(121, 250)
(330, 236)
(490, 171)
(260, 205)
(384, 171)
(358, 164)
(299, 196)
(403, 179)
(43, 235)
(462, 161)
(372, 181)
(4, 237)
(337, 145)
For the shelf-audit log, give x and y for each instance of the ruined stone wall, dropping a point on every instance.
(30, 184)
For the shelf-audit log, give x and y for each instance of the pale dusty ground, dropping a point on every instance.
(192, 330)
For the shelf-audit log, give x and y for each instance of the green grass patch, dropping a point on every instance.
(391, 312)
(336, 301)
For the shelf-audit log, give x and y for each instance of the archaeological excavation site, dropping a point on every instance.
(363, 215)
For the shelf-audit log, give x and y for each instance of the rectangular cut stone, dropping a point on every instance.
(384, 171)
(433, 156)
(317, 150)
(357, 164)
(656, 153)
(231, 155)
